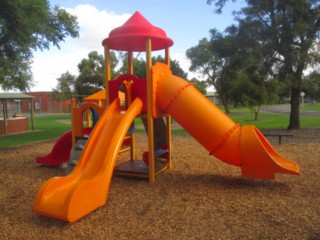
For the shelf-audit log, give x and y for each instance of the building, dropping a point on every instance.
(214, 98)
(42, 102)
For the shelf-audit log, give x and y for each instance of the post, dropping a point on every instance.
(107, 71)
(168, 117)
(149, 114)
(73, 128)
(5, 117)
(31, 113)
(130, 65)
(167, 56)
(302, 99)
(5, 108)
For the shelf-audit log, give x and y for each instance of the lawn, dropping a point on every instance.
(309, 107)
(47, 128)
(52, 126)
(272, 120)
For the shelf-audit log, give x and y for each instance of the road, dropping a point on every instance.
(285, 109)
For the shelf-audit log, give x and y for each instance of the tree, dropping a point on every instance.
(205, 61)
(64, 88)
(174, 66)
(311, 85)
(139, 66)
(247, 70)
(27, 25)
(91, 77)
(226, 47)
(255, 95)
(201, 86)
(288, 31)
(236, 66)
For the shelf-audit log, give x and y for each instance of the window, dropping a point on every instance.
(37, 105)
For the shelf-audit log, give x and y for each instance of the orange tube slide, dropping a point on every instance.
(228, 141)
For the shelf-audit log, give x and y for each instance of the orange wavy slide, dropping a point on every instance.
(243, 146)
(85, 189)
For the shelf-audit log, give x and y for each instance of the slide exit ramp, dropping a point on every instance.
(85, 189)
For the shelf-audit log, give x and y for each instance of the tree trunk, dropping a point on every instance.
(294, 122)
(256, 113)
(295, 95)
(225, 104)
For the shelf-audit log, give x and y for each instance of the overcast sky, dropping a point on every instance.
(185, 22)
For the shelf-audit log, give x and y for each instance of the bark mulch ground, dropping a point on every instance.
(200, 198)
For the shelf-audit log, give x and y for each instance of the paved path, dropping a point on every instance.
(285, 109)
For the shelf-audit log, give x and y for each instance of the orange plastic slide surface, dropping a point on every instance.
(71, 197)
(228, 141)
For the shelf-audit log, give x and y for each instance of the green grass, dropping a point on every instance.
(245, 116)
(309, 107)
(47, 128)
(270, 120)
(264, 120)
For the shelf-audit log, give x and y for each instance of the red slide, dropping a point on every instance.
(60, 152)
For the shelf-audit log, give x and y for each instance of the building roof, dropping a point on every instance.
(12, 96)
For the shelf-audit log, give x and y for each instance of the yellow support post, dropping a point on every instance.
(149, 114)
(129, 100)
(130, 65)
(132, 147)
(167, 56)
(168, 117)
(107, 71)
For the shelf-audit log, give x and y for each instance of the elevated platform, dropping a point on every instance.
(137, 168)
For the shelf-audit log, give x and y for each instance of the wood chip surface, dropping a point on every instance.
(200, 198)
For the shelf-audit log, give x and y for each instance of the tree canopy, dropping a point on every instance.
(25, 26)
(64, 88)
(209, 64)
(91, 77)
(91, 74)
(311, 85)
(139, 66)
(286, 32)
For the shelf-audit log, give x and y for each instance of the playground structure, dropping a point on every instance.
(61, 150)
(155, 99)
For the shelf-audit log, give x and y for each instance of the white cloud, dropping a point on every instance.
(183, 62)
(185, 65)
(95, 25)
